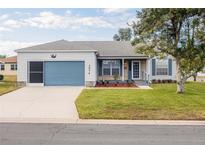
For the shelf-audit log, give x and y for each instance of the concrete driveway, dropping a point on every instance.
(40, 104)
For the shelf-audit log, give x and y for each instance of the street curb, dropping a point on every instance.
(37, 120)
(101, 121)
(142, 122)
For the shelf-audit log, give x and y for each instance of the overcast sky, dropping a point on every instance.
(25, 27)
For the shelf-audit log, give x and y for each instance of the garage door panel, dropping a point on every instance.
(64, 73)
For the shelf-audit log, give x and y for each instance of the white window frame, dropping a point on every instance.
(106, 68)
(157, 60)
(110, 67)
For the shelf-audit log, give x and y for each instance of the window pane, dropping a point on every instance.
(15, 66)
(162, 67)
(36, 77)
(2, 67)
(115, 71)
(162, 71)
(106, 71)
(36, 66)
(106, 67)
(111, 67)
(115, 67)
(115, 63)
(12, 66)
(106, 63)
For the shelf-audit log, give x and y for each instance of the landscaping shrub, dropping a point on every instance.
(169, 81)
(153, 81)
(163, 81)
(1, 77)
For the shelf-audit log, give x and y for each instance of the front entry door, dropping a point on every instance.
(135, 70)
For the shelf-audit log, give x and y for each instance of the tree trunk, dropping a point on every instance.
(195, 78)
(180, 87)
(180, 81)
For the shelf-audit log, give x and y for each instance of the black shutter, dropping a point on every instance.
(170, 67)
(153, 67)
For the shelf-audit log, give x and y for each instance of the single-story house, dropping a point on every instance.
(82, 63)
(8, 66)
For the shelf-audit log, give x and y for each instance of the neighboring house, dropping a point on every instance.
(200, 76)
(202, 73)
(80, 63)
(8, 66)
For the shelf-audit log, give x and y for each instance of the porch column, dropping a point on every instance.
(148, 66)
(123, 70)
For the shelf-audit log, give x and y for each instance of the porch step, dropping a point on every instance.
(141, 83)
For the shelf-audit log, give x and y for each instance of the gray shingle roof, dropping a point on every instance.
(104, 48)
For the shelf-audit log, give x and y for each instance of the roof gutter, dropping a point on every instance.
(123, 57)
(61, 51)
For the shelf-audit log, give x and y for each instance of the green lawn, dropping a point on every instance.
(8, 84)
(160, 103)
(10, 78)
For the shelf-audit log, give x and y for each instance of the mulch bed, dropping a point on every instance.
(115, 85)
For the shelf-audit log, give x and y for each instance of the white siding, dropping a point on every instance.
(89, 58)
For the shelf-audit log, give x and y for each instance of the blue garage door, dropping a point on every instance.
(62, 73)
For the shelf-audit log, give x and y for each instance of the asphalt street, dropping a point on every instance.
(25, 133)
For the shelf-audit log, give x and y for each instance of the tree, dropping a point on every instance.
(116, 37)
(175, 32)
(124, 34)
(2, 56)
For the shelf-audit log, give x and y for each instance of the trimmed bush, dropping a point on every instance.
(1, 77)
(154, 81)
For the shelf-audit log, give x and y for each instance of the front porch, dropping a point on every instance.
(123, 69)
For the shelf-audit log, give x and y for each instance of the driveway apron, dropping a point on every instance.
(40, 104)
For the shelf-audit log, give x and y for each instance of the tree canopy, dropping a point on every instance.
(176, 32)
(2, 56)
(124, 34)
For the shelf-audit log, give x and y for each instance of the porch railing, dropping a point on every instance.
(145, 77)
